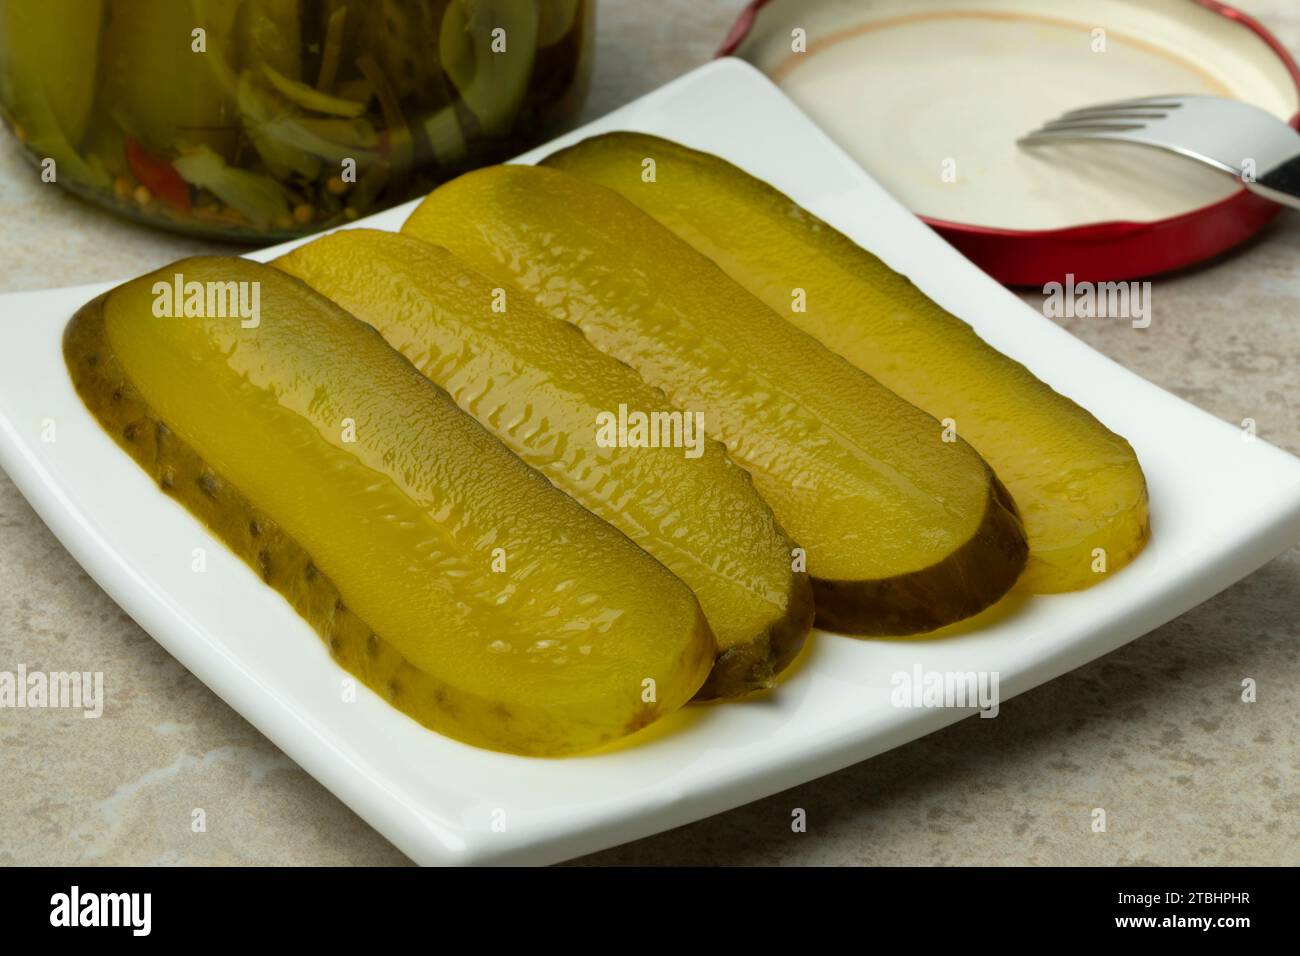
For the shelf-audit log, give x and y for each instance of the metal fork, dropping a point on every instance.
(1235, 137)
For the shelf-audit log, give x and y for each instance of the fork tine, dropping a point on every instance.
(1080, 116)
(1097, 123)
(1144, 102)
(1062, 126)
(1042, 137)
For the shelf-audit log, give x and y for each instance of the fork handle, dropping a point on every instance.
(1281, 184)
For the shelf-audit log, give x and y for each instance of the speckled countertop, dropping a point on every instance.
(1155, 732)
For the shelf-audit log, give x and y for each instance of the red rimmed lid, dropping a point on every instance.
(930, 96)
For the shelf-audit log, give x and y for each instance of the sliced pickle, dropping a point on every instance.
(440, 570)
(904, 530)
(159, 88)
(555, 19)
(268, 36)
(544, 391)
(1079, 487)
(49, 52)
(487, 48)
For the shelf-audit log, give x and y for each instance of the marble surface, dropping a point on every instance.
(1155, 733)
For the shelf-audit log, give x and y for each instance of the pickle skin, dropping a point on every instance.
(903, 532)
(902, 602)
(519, 719)
(538, 386)
(1080, 489)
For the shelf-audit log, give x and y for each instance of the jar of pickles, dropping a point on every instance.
(264, 119)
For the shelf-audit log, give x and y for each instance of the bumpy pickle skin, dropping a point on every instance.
(903, 531)
(358, 489)
(1079, 486)
(541, 388)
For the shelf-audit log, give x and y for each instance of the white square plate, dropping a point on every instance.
(1221, 507)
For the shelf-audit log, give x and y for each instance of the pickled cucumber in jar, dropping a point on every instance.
(264, 119)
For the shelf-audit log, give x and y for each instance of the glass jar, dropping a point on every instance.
(261, 120)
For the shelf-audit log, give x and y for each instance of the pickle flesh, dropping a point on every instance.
(541, 388)
(903, 530)
(1079, 486)
(363, 494)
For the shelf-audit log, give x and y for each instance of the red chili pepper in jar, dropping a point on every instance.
(158, 176)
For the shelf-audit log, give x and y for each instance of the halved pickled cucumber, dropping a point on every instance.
(1080, 490)
(543, 390)
(904, 530)
(441, 570)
